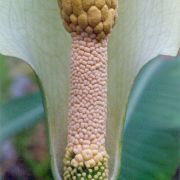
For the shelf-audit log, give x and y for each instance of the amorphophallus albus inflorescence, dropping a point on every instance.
(90, 23)
(32, 31)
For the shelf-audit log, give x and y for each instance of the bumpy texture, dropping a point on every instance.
(87, 109)
(91, 16)
(81, 172)
(90, 22)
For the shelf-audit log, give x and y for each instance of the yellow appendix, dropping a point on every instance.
(91, 16)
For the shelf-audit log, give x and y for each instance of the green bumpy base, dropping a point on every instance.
(98, 172)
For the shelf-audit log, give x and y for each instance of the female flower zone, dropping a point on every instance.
(90, 22)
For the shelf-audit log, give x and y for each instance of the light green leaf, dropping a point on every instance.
(151, 148)
(32, 31)
(20, 113)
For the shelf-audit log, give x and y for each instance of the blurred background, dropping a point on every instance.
(24, 153)
(24, 150)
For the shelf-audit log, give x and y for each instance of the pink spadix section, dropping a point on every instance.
(88, 100)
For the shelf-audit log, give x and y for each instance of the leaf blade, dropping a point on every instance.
(151, 136)
(19, 114)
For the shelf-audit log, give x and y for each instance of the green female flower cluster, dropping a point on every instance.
(81, 172)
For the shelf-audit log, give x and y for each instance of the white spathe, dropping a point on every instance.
(31, 30)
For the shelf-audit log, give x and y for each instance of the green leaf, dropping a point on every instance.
(33, 31)
(3, 68)
(151, 146)
(4, 78)
(19, 114)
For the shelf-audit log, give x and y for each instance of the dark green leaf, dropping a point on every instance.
(19, 114)
(4, 78)
(151, 142)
